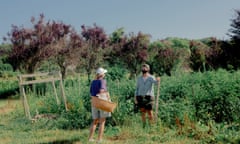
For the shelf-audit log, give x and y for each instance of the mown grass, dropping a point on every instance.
(2, 103)
(17, 129)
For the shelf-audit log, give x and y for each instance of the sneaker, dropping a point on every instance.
(99, 141)
(91, 140)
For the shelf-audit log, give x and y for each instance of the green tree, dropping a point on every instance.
(5, 50)
(206, 54)
(235, 28)
(178, 43)
(134, 51)
(68, 51)
(178, 55)
(198, 58)
(95, 40)
(165, 60)
(116, 41)
(117, 36)
(214, 54)
(234, 33)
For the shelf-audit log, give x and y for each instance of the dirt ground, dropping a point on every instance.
(9, 106)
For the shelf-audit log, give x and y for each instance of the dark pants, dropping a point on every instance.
(145, 102)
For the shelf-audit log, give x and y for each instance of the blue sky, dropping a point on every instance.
(191, 19)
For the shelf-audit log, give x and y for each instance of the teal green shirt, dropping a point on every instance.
(145, 86)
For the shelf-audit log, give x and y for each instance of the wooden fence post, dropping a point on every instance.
(55, 92)
(62, 91)
(44, 77)
(157, 101)
(24, 98)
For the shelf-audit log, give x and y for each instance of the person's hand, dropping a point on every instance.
(158, 79)
(135, 100)
(108, 96)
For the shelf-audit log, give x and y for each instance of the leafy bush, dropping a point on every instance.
(78, 103)
(174, 99)
(121, 92)
(217, 96)
(8, 88)
(5, 67)
(115, 73)
(201, 96)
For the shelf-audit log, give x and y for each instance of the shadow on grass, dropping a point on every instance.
(63, 142)
(8, 93)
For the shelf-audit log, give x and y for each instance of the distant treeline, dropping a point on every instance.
(54, 45)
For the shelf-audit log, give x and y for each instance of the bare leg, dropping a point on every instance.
(143, 111)
(101, 128)
(150, 116)
(93, 128)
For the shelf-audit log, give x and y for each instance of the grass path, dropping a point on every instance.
(19, 131)
(8, 105)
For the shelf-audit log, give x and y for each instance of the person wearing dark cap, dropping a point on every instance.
(98, 86)
(144, 93)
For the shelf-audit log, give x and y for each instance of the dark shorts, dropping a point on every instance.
(145, 102)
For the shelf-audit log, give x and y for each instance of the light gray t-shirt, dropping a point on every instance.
(145, 86)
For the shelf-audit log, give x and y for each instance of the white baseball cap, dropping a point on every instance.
(147, 66)
(101, 71)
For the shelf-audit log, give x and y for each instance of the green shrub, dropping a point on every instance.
(5, 67)
(217, 97)
(116, 73)
(79, 112)
(174, 99)
(8, 88)
(201, 96)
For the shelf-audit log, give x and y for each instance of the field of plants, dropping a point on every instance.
(199, 101)
(193, 108)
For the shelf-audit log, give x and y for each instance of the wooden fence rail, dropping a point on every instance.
(28, 79)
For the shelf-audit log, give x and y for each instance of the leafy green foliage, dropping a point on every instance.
(198, 56)
(188, 102)
(5, 67)
(92, 53)
(219, 97)
(132, 51)
(200, 106)
(169, 55)
(234, 30)
(164, 61)
(203, 97)
(116, 73)
(178, 43)
(8, 88)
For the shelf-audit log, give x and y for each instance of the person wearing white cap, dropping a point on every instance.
(144, 94)
(98, 85)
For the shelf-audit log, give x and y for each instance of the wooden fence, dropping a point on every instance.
(29, 79)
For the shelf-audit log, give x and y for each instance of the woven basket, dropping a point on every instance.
(103, 104)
